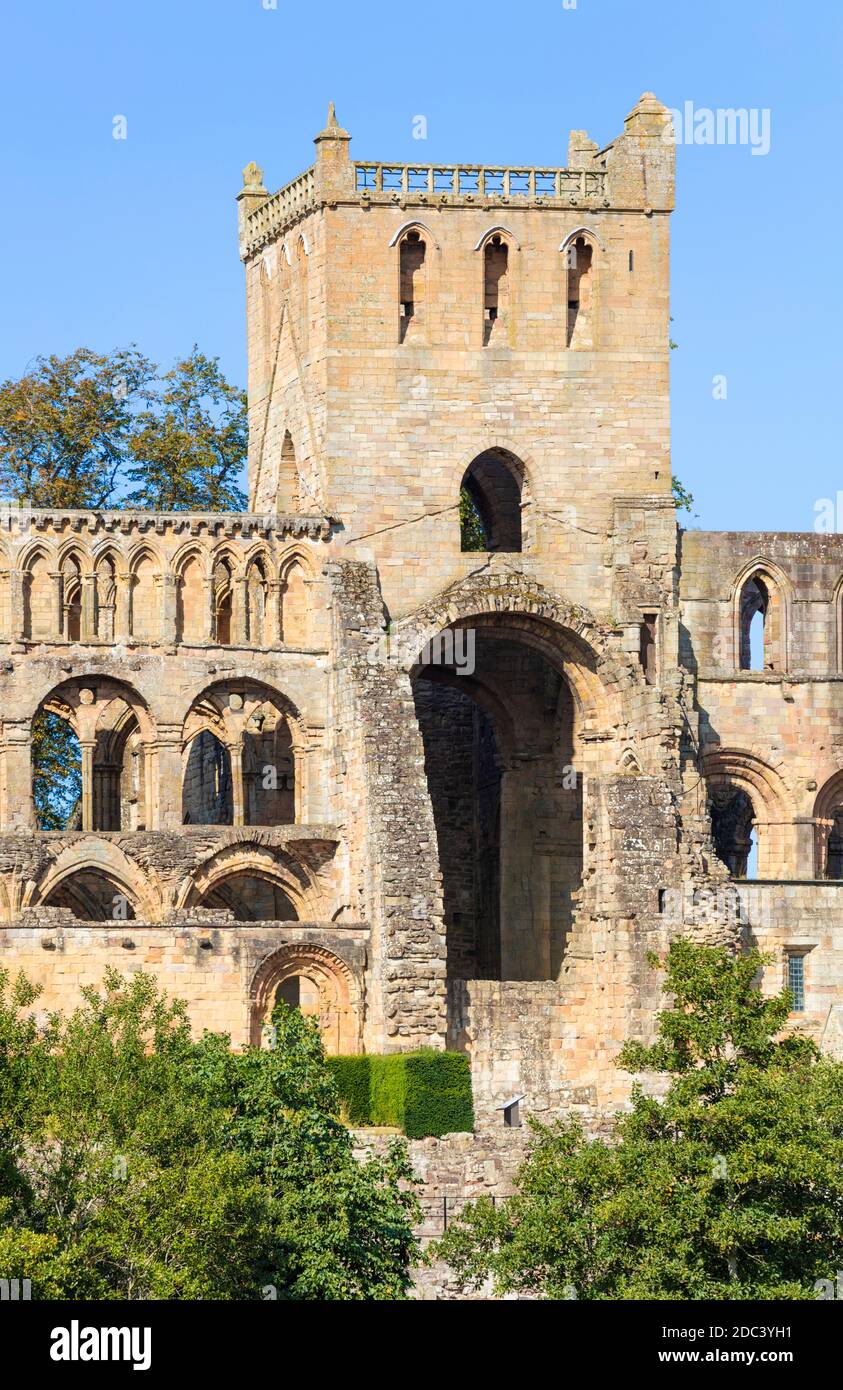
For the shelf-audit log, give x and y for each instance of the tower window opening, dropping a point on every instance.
(648, 650)
(412, 256)
(496, 284)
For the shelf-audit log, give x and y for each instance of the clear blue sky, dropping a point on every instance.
(107, 242)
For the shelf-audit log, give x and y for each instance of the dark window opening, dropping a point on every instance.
(491, 503)
(648, 651)
(580, 259)
(495, 284)
(733, 831)
(412, 256)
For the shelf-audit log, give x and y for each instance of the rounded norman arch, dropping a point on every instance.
(334, 994)
(773, 811)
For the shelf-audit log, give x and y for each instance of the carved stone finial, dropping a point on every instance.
(253, 176)
(333, 130)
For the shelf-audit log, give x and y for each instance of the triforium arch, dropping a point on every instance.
(144, 590)
(761, 594)
(117, 739)
(746, 794)
(312, 978)
(99, 883)
(828, 829)
(257, 883)
(504, 697)
(498, 485)
(243, 756)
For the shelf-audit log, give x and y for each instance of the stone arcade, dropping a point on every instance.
(285, 794)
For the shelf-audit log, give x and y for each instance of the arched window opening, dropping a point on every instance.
(754, 604)
(191, 602)
(733, 830)
(118, 782)
(105, 598)
(412, 256)
(92, 897)
(287, 498)
(223, 600)
(295, 624)
(495, 285)
(580, 270)
(493, 487)
(206, 783)
(252, 898)
(56, 773)
(38, 600)
(256, 591)
(144, 615)
(268, 769)
(761, 625)
(71, 587)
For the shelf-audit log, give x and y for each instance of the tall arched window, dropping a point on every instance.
(144, 600)
(580, 273)
(256, 589)
(38, 598)
(495, 285)
(733, 830)
(761, 624)
(71, 589)
(223, 602)
(492, 502)
(412, 288)
(190, 602)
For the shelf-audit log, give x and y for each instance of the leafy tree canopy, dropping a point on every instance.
(136, 1162)
(95, 430)
(730, 1186)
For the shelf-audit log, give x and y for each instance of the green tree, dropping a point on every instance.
(91, 430)
(56, 771)
(730, 1186)
(683, 499)
(472, 530)
(188, 450)
(136, 1162)
(65, 427)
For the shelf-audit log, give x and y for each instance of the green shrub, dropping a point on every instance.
(437, 1096)
(351, 1075)
(424, 1094)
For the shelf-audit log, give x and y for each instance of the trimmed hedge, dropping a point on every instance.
(425, 1094)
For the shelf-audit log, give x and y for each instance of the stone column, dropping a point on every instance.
(87, 746)
(58, 611)
(238, 611)
(16, 603)
(88, 619)
(123, 611)
(167, 608)
(18, 810)
(164, 789)
(208, 614)
(272, 618)
(235, 753)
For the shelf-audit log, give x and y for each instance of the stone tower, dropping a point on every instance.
(455, 725)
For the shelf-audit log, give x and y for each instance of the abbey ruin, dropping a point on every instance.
(436, 795)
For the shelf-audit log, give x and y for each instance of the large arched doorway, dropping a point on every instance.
(499, 725)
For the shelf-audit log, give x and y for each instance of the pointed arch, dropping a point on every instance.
(762, 591)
